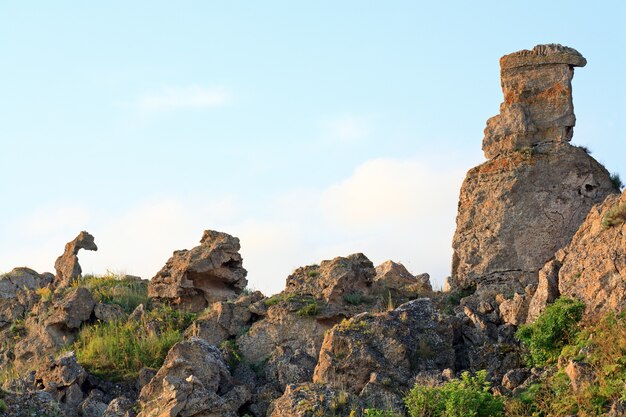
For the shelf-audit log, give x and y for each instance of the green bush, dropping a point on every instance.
(617, 181)
(353, 298)
(3, 406)
(614, 216)
(374, 412)
(465, 397)
(554, 328)
(115, 289)
(118, 350)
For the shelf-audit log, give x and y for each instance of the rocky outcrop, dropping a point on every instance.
(400, 283)
(527, 201)
(547, 290)
(225, 319)
(67, 265)
(193, 279)
(594, 265)
(312, 400)
(333, 280)
(16, 289)
(55, 327)
(193, 381)
(62, 378)
(394, 346)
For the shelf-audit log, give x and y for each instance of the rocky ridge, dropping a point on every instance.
(540, 219)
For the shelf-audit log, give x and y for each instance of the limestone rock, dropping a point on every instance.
(515, 310)
(109, 312)
(118, 407)
(193, 381)
(594, 264)
(192, 279)
(62, 378)
(287, 366)
(514, 378)
(394, 277)
(547, 290)
(334, 279)
(395, 345)
(579, 373)
(524, 204)
(537, 105)
(67, 265)
(312, 400)
(224, 319)
(14, 302)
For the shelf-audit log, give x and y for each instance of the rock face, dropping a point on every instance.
(312, 400)
(14, 288)
(192, 279)
(332, 280)
(67, 265)
(193, 381)
(62, 378)
(594, 265)
(527, 201)
(394, 346)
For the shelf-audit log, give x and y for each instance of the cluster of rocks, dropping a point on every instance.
(540, 219)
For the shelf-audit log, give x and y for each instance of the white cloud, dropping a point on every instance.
(192, 97)
(400, 209)
(348, 129)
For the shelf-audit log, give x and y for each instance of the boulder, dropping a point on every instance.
(594, 264)
(15, 290)
(515, 310)
(67, 265)
(109, 312)
(224, 320)
(547, 290)
(62, 378)
(312, 400)
(193, 381)
(526, 202)
(395, 345)
(193, 279)
(333, 280)
(394, 277)
(118, 407)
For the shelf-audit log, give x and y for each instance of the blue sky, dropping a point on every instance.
(310, 129)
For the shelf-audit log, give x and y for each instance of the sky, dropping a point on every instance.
(309, 130)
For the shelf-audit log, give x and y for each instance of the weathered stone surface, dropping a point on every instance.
(537, 107)
(594, 264)
(109, 312)
(118, 407)
(287, 366)
(192, 279)
(14, 300)
(313, 400)
(67, 265)
(394, 277)
(54, 328)
(517, 209)
(395, 345)
(547, 290)
(334, 279)
(514, 378)
(193, 381)
(515, 310)
(224, 319)
(62, 378)
(579, 373)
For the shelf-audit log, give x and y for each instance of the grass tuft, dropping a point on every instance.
(115, 289)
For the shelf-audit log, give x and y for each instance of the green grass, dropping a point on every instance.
(3, 407)
(115, 289)
(118, 350)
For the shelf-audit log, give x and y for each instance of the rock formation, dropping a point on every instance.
(67, 265)
(193, 381)
(527, 201)
(593, 265)
(395, 278)
(192, 279)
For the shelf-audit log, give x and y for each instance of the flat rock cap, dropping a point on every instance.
(543, 54)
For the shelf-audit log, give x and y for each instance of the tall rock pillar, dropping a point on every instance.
(527, 201)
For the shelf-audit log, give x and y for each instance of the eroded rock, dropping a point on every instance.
(193, 279)
(67, 265)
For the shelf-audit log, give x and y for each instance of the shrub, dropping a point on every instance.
(115, 289)
(374, 412)
(553, 329)
(45, 293)
(353, 298)
(617, 181)
(3, 406)
(614, 216)
(465, 397)
(311, 309)
(118, 350)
